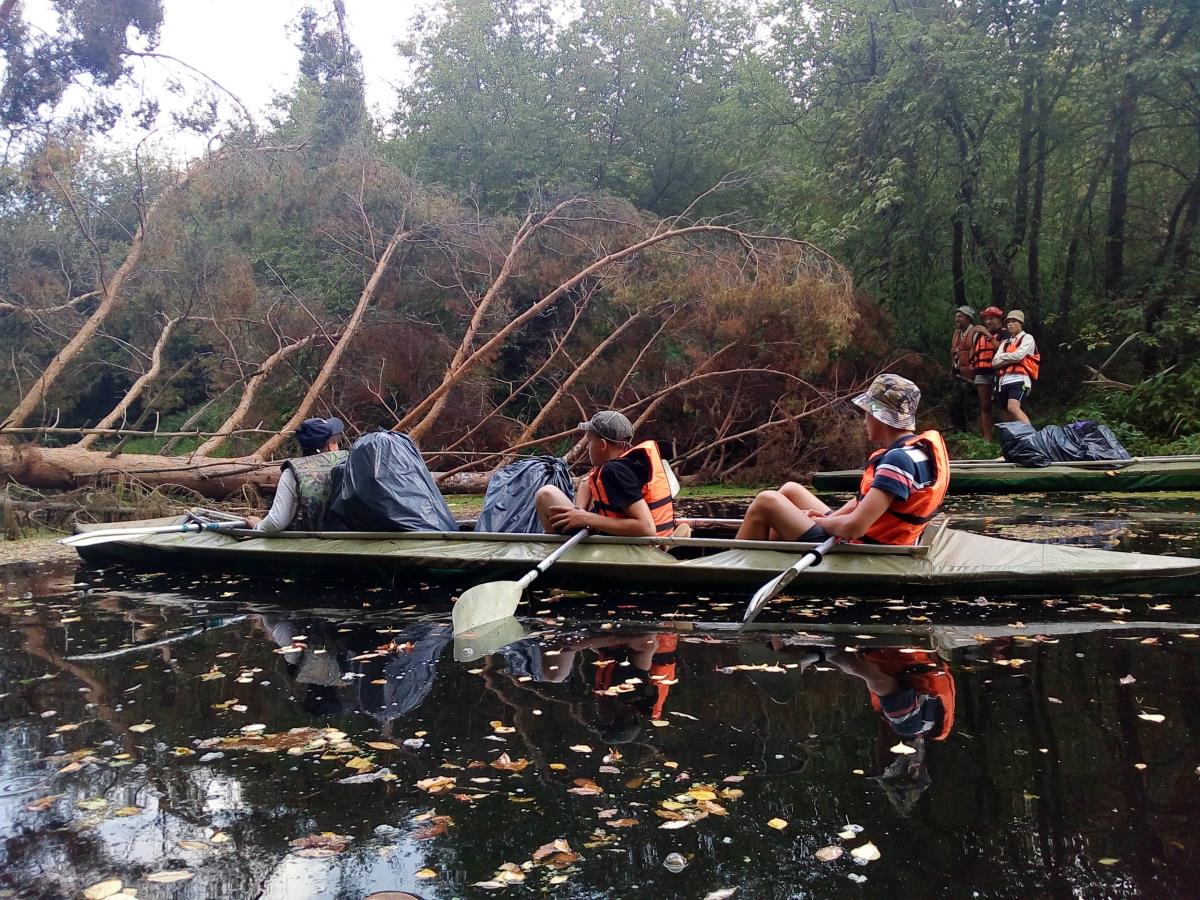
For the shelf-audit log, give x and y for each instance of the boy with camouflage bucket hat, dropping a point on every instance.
(902, 488)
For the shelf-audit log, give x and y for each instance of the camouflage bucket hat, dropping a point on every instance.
(892, 400)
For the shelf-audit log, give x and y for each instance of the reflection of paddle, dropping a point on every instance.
(498, 599)
(784, 578)
(88, 538)
(473, 645)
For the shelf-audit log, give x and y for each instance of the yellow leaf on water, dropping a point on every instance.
(359, 764)
(143, 728)
(43, 803)
(1108, 861)
(902, 748)
(382, 745)
(868, 852)
(425, 874)
(439, 784)
(171, 876)
(581, 748)
(829, 854)
(778, 824)
(1152, 717)
(92, 804)
(558, 767)
(196, 846)
(126, 811)
(659, 723)
(212, 674)
(103, 889)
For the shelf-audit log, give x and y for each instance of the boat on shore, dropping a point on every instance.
(946, 562)
(980, 476)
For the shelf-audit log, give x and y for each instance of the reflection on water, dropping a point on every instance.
(154, 725)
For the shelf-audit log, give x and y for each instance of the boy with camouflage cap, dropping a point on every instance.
(902, 488)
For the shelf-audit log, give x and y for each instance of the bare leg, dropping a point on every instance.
(1015, 413)
(547, 497)
(985, 410)
(780, 515)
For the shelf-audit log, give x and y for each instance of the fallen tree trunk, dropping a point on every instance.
(66, 468)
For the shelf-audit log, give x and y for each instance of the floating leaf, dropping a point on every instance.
(196, 846)
(829, 854)
(317, 846)
(504, 764)
(621, 823)
(556, 855)
(439, 784)
(586, 787)
(581, 748)
(659, 723)
(868, 852)
(903, 748)
(778, 824)
(721, 894)
(142, 728)
(92, 804)
(1108, 861)
(425, 874)
(212, 674)
(382, 745)
(1127, 679)
(500, 728)
(359, 764)
(126, 811)
(43, 803)
(103, 889)
(1152, 717)
(490, 885)
(171, 876)
(675, 823)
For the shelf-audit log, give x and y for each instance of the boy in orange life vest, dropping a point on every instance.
(983, 348)
(902, 487)
(626, 493)
(1017, 363)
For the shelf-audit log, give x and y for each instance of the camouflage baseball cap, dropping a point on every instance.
(610, 425)
(892, 400)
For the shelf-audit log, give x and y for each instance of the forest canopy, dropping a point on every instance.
(721, 216)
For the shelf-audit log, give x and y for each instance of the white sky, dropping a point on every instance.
(248, 47)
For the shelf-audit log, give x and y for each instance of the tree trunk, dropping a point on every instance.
(66, 468)
(249, 392)
(1034, 237)
(335, 356)
(135, 390)
(1124, 112)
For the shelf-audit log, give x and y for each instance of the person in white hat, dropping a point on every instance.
(1017, 364)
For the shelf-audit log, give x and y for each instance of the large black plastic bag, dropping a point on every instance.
(1078, 442)
(385, 486)
(508, 503)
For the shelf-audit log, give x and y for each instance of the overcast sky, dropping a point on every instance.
(248, 47)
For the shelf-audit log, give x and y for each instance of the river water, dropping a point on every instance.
(190, 736)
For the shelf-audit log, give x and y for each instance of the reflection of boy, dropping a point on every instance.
(913, 690)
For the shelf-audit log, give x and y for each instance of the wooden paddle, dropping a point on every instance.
(784, 578)
(494, 600)
(89, 538)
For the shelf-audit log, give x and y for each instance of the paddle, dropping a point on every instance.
(784, 578)
(90, 538)
(494, 600)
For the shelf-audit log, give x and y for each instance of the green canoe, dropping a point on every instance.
(1156, 473)
(947, 562)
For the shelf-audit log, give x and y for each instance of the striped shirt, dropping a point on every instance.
(903, 470)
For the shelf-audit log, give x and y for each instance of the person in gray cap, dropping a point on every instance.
(901, 490)
(962, 370)
(304, 487)
(628, 491)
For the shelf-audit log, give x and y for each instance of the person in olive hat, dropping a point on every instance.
(304, 487)
(962, 373)
(902, 488)
(626, 493)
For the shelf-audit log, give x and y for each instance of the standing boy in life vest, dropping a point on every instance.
(1017, 364)
(627, 492)
(983, 349)
(902, 486)
(962, 376)
(304, 489)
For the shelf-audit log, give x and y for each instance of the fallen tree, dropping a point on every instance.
(66, 468)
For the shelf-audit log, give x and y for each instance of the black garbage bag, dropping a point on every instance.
(384, 486)
(1079, 442)
(508, 503)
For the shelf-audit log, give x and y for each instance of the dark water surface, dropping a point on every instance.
(1061, 756)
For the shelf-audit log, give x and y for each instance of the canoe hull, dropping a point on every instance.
(958, 563)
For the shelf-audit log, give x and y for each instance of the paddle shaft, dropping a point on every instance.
(784, 578)
(550, 560)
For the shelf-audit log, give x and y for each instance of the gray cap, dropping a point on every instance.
(610, 425)
(966, 311)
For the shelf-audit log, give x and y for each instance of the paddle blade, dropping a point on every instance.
(760, 598)
(485, 603)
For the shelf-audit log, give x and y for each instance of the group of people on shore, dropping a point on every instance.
(630, 489)
(998, 358)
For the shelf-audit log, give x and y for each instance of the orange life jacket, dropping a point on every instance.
(982, 353)
(904, 521)
(656, 492)
(662, 672)
(961, 345)
(1030, 365)
(924, 673)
